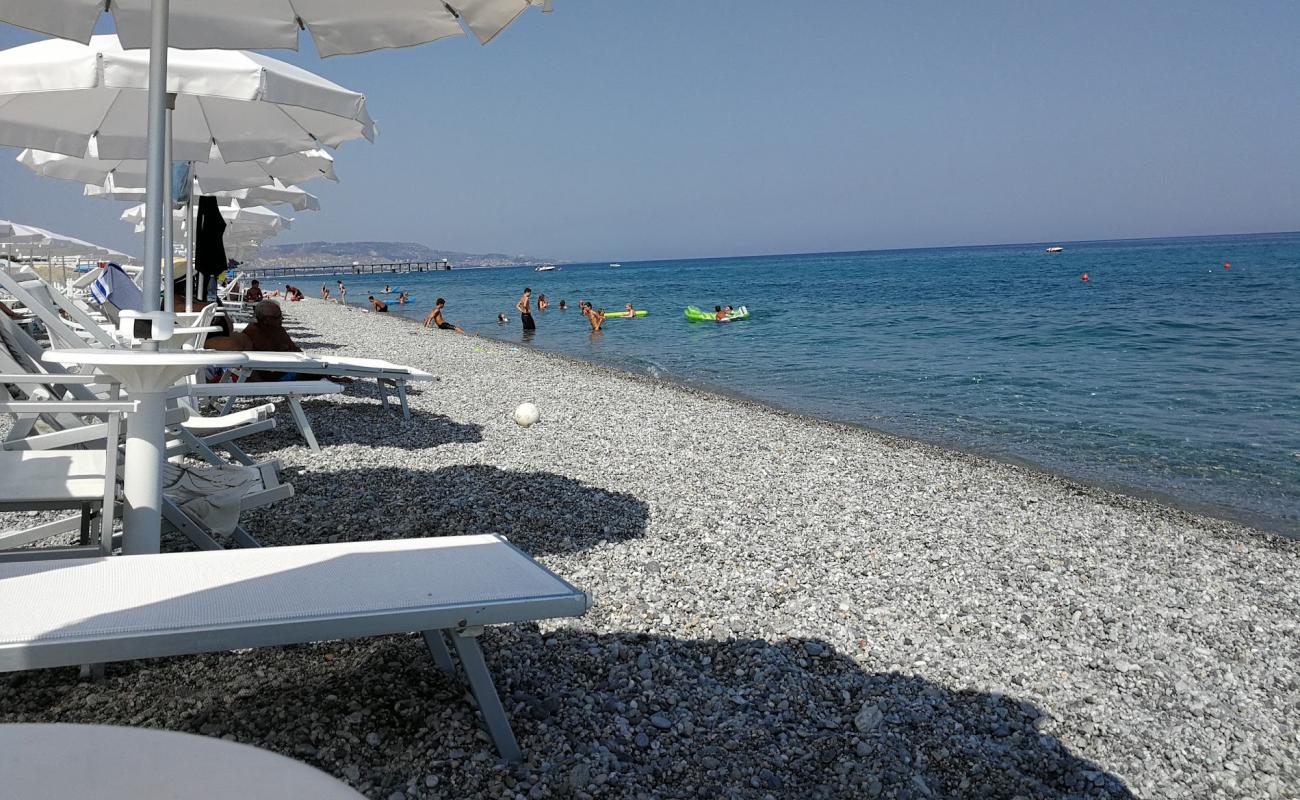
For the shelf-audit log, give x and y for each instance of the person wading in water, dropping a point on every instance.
(525, 307)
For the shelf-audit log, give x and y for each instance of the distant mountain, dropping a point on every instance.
(331, 253)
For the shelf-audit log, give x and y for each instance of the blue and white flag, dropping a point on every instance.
(115, 286)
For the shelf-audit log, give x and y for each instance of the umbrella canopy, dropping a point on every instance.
(214, 175)
(55, 95)
(17, 233)
(336, 27)
(241, 221)
(272, 194)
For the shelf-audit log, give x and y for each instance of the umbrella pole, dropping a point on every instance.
(155, 203)
(189, 240)
(169, 230)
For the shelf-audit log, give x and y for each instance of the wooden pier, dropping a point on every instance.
(396, 267)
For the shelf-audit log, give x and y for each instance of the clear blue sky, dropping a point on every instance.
(621, 131)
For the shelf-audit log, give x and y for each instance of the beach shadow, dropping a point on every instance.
(538, 511)
(350, 420)
(654, 715)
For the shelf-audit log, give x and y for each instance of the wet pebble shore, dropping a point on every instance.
(783, 607)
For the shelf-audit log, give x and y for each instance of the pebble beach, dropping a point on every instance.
(783, 607)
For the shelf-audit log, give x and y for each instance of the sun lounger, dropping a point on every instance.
(79, 479)
(94, 610)
(387, 375)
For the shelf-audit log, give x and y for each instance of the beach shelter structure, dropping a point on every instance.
(213, 175)
(270, 195)
(336, 28)
(272, 178)
(58, 95)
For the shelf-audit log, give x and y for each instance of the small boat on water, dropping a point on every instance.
(615, 266)
(1056, 249)
(545, 268)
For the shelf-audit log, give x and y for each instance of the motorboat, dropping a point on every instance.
(616, 266)
(1056, 249)
(545, 268)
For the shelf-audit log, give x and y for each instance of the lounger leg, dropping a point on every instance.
(238, 454)
(304, 427)
(383, 394)
(438, 649)
(243, 538)
(480, 682)
(176, 518)
(401, 396)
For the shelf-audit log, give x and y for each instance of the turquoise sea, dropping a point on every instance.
(1163, 373)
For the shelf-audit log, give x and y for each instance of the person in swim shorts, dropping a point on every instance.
(435, 318)
(525, 308)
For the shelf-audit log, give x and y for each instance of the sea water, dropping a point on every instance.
(1164, 372)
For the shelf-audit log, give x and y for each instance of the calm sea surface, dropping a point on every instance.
(1164, 372)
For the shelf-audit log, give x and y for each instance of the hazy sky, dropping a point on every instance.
(622, 131)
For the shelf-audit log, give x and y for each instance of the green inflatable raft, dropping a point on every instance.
(696, 315)
(617, 314)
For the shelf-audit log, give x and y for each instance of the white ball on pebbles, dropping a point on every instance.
(527, 414)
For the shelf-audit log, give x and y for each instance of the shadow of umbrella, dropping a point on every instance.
(609, 715)
(540, 512)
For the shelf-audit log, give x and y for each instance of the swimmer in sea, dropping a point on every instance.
(525, 309)
(542, 302)
(596, 318)
(718, 314)
(502, 319)
(631, 312)
(563, 305)
(435, 318)
(402, 298)
(388, 289)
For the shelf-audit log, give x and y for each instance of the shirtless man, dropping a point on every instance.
(435, 318)
(377, 305)
(525, 308)
(596, 317)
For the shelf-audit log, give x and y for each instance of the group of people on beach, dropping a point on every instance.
(595, 316)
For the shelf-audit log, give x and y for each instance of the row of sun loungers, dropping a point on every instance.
(83, 605)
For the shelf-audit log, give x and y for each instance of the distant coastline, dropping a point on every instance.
(315, 253)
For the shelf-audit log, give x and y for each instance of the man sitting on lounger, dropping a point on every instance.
(265, 333)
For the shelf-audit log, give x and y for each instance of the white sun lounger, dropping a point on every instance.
(80, 479)
(93, 610)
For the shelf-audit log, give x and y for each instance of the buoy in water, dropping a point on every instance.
(1226, 265)
(1084, 277)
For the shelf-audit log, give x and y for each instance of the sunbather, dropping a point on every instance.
(265, 333)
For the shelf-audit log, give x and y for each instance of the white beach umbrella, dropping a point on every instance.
(272, 194)
(240, 220)
(336, 27)
(55, 95)
(213, 175)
